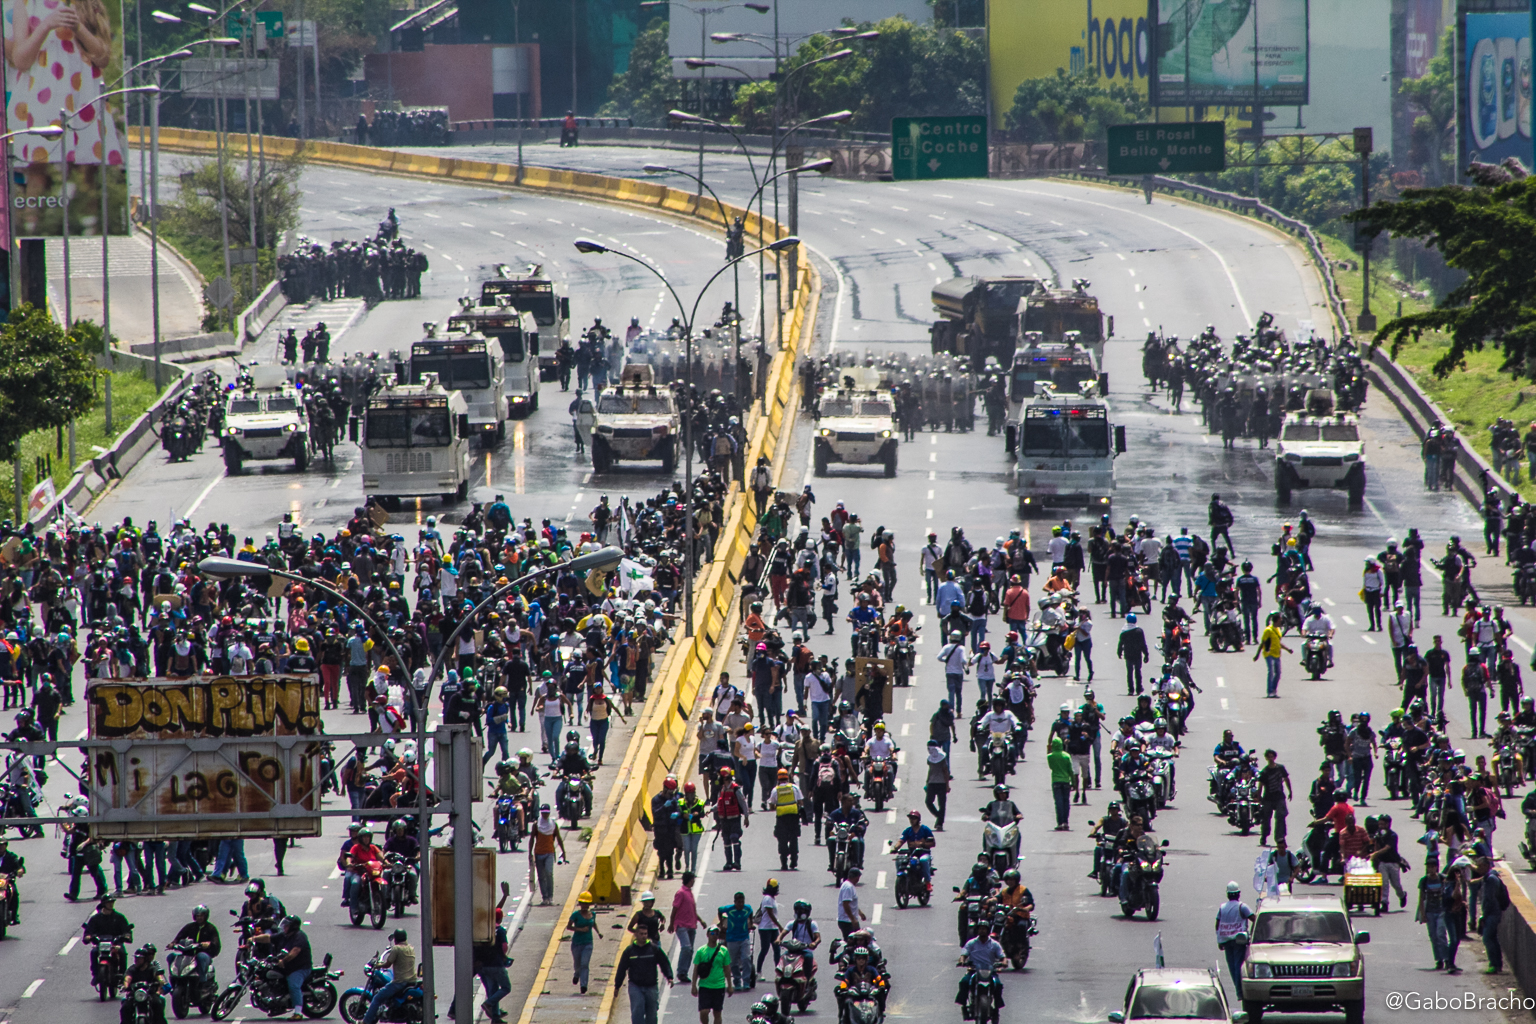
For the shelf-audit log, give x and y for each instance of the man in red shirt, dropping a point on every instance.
(1336, 818)
(732, 809)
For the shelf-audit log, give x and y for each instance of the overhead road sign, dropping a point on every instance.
(1136, 149)
(925, 148)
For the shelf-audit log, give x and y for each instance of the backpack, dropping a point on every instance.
(826, 774)
(1503, 896)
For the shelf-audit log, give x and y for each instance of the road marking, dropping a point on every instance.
(1146, 322)
(917, 659)
(932, 267)
(1082, 232)
(906, 728)
(1348, 620)
(930, 513)
(880, 878)
(877, 231)
(1330, 602)
(203, 497)
(498, 234)
(69, 946)
(933, 439)
(933, 456)
(1223, 703)
(933, 474)
(911, 704)
(83, 734)
(930, 494)
(1221, 680)
(934, 216)
(1120, 255)
(314, 904)
(335, 874)
(1369, 640)
(1141, 305)
(901, 757)
(465, 224)
(874, 917)
(1522, 644)
(32, 988)
(1130, 271)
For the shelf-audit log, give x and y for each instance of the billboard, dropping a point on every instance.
(58, 56)
(1033, 38)
(178, 752)
(1496, 116)
(1230, 53)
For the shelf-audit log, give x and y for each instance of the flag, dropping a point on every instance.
(633, 577)
(597, 582)
(622, 524)
(1157, 948)
(41, 497)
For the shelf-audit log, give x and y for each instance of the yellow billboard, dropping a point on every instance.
(1032, 38)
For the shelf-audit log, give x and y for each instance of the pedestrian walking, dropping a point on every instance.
(684, 924)
(1132, 649)
(849, 917)
(936, 788)
(583, 928)
(1274, 791)
(1060, 764)
(1232, 934)
(541, 853)
(1431, 909)
(711, 980)
(953, 657)
(735, 921)
(1494, 896)
(643, 963)
(1270, 646)
(787, 804)
(768, 926)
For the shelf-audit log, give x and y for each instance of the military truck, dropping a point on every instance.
(263, 420)
(415, 442)
(1066, 451)
(985, 317)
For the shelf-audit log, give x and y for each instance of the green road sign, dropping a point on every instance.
(272, 20)
(1167, 148)
(938, 147)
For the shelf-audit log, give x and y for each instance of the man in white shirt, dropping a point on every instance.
(1149, 549)
(956, 664)
(849, 916)
(931, 559)
(239, 654)
(1057, 547)
(818, 690)
(725, 693)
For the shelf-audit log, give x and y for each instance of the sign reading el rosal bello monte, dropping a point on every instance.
(938, 147)
(1167, 148)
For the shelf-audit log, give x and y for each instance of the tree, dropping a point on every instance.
(1071, 107)
(1432, 143)
(910, 70)
(195, 210)
(46, 376)
(646, 90)
(1488, 231)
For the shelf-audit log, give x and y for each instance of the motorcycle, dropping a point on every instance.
(505, 828)
(1141, 796)
(181, 969)
(369, 898)
(10, 903)
(1314, 656)
(861, 1002)
(141, 1003)
(1049, 654)
(795, 974)
(999, 759)
(267, 986)
(1525, 583)
(1307, 853)
(1175, 708)
(109, 964)
(1144, 871)
(1226, 635)
(1243, 805)
(1160, 767)
(1104, 858)
(866, 642)
(902, 660)
(983, 1008)
(1506, 767)
(909, 878)
(1394, 769)
(569, 803)
(999, 844)
(1013, 934)
(880, 782)
(405, 1008)
(399, 892)
(843, 840)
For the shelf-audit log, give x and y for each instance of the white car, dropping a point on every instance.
(1320, 451)
(264, 420)
(856, 428)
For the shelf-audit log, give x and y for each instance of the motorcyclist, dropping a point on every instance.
(848, 811)
(1331, 736)
(144, 971)
(802, 929)
(1320, 625)
(1000, 720)
(857, 970)
(573, 763)
(1525, 718)
(1018, 900)
(12, 865)
(204, 936)
(918, 838)
(401, 842)
(1111, 825)
(362, 860)
(981, 953)
(260, 907)
(105, 924)
(878, 748)
(1002, 811)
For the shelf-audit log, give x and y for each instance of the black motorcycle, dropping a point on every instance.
(1013, 934)
(1143, 872)
(909, 878)
(267, 985)
(843, 841)
(109, 965)
(140, 999)
(399, 892)
(186, 992)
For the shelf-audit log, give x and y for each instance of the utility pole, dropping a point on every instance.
(298, 59)
(1363, 145)
(573, 55)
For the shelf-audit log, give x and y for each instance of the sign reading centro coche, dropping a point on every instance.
(180, 752)
(938, 147)
(1167, 148)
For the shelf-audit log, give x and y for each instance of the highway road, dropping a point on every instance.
(881, 247)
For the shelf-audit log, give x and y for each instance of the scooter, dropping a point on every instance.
(999, 844)
(1314, 656)
(909, 878)
(795, 974)
(181, 964)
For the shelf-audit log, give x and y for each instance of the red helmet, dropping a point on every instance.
(914, 814)
(984, 645)
(1013, 634)
(726, 773)
(689, 787)
(670, 782)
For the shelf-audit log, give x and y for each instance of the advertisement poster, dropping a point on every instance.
(60, 56)
(1207, 49)
(1033, 38)
(1497, 118)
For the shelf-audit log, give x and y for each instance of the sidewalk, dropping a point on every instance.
(181, 304)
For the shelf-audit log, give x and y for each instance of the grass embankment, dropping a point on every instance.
(132, 394)
(1472, 397)
(206, 253)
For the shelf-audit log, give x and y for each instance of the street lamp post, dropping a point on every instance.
(463, 832)
(588, 246)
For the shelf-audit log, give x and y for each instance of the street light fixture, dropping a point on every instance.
(590, 246)
(200, 9)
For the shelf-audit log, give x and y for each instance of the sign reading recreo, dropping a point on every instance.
(222, 756)
(1167, 148)
(938, 147)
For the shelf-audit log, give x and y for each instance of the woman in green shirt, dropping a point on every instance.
(583, 926)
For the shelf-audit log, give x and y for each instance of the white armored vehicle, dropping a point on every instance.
(264, 420)
(1320, 447)
(416, 441)
(1066, 450)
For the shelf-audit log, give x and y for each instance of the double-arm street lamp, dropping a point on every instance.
(589, 246)
(603, 560)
